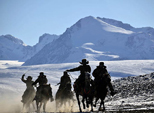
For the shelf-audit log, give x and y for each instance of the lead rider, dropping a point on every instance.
(84, 67)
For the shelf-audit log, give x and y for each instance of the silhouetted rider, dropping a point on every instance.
(30, 91)
(101, 72)
(42, 80)
(64, 81)
(84, 67)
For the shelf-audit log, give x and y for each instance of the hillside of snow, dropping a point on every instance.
(98, 39)
(133, 79)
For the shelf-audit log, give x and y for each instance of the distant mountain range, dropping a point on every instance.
(12, 48)
(90, 37)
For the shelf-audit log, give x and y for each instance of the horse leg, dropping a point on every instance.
(33, 105)
(40, 106)
(87, 102)
(96, 102)
(83, 102)
(28, 106)
(91, 102)
(44, 106)
(37, 105)
(77, 96)
(103, 106)
(102, 103)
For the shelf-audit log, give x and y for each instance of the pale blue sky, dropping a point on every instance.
(29, 19)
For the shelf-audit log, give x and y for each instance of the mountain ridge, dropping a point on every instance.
(95, 39)
(90, 37)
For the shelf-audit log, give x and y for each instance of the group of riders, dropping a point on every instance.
(98, 73)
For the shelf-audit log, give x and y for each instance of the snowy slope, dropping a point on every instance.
(12, 48)
(116, 23)
(98, 39)
(12, 88)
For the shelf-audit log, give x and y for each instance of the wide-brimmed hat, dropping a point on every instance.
(84, 61)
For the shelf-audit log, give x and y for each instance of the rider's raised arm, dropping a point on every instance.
(74, 69)
(22, 78)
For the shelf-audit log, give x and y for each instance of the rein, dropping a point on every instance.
(86, 92)
(71, 76)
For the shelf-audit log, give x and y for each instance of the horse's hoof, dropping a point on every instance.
(84, 107)
(100, 109)
(87, 106)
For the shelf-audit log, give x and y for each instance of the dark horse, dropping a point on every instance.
(64, 95)
(86, 92)
(101, 89)
(43, 97)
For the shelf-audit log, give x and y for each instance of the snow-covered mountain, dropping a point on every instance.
(12, 48)
(98, 39)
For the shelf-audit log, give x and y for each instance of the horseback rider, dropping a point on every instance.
(83, 68)
(30, 91)
(65, 80)
(101, 72)
(42, 80)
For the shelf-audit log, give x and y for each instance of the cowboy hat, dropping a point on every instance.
(84, 61)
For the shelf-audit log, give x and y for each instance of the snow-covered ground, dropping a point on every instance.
(12, 88)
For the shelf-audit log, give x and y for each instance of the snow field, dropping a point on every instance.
(12, 88)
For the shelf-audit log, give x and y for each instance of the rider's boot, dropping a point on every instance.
(111, 89)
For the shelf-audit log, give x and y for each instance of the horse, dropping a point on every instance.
(86, 92)
(42, 96)
(28, 98)
(64, 95)
(101, 89)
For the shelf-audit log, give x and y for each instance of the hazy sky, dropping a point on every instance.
(29, 19)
